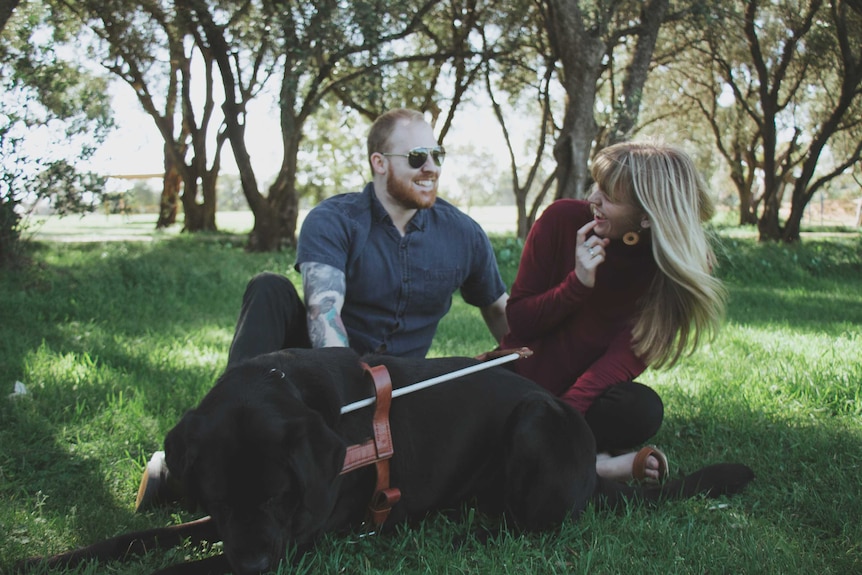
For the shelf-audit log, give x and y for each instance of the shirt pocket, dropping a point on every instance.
(435, 289)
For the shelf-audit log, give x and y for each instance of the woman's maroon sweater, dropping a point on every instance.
(580, 337)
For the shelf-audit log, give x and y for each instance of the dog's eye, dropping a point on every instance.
(274, 501)
(281, 503)
(217, 507)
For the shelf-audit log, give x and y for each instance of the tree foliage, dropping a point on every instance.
(521, 78)
(54, 114)
(369, 55)
(792, 74)
(153, 47)
(588, 39)
(776, 85)
(6, 10)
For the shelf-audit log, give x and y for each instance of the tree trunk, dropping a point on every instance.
(581, 38)
(793, 225)
(651, 18)
(198, 217)
(580, 50)
(263, 236)
(210, 194)
(275, 215)
(747, 209)
(6, 9)
(278, 224)
(747, 205)
(283, 200)
(572, 150)
(523, 224)
(285, 208)
(171, 183)
(768, 225)
(773, 186)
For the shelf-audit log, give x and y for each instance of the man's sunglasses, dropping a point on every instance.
(418, 156)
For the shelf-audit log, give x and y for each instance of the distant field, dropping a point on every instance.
(103, 227)
(820, 217)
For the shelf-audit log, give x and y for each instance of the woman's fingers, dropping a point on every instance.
(589, 254)
(585, 229)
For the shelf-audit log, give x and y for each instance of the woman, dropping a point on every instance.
(611, 285)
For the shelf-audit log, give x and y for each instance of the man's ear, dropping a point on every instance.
(378, 163)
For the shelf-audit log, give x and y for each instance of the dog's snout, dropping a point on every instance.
(253, 565)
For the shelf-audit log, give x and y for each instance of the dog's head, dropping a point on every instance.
(259, 454)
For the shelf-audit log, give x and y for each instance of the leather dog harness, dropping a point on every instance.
(377, 450)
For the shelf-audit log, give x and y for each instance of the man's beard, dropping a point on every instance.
(402, 192)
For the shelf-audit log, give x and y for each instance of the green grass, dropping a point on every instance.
(114, 341)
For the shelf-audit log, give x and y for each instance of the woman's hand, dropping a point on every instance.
(589, 254)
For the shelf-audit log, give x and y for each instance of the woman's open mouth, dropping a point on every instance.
(597, 215)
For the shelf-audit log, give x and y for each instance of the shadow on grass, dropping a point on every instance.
(57, 497)
(795, 514)
(831, 309)
(107, 339)
(158, 291)
(800, 502)
(807, 287)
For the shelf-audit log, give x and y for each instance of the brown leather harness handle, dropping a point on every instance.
(377, 450)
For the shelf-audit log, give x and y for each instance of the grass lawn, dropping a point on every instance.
(113, 341)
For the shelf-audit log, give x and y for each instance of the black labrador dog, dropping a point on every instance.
(263, 452)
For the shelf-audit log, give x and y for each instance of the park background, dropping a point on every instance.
(114, 322)
(262, 106)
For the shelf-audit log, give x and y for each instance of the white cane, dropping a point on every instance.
(441, 378)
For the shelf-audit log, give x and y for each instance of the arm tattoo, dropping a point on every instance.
(324, 288)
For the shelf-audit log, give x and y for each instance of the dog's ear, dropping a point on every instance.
(308, 386)
(316, 457)
(180, 453)
(322, 398)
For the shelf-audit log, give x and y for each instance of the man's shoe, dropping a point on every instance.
(157, 486)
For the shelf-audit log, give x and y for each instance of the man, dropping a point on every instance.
(379, 267)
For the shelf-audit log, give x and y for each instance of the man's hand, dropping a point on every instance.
(495, 353)
(495, 317)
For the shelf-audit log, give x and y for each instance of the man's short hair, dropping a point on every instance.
(384, 125)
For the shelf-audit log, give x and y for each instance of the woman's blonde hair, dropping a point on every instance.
(685, 302)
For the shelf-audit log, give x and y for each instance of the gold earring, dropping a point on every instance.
(631, 238)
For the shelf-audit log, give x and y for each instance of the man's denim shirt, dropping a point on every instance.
(398, 288)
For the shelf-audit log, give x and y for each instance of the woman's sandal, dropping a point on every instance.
(639, 465)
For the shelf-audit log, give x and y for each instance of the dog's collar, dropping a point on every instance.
(378, 450)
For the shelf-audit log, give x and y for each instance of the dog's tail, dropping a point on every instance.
(711, 481)
(122, 546)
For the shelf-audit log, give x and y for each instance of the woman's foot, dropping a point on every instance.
(649, 464)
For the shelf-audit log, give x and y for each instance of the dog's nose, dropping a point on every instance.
(256, 564)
